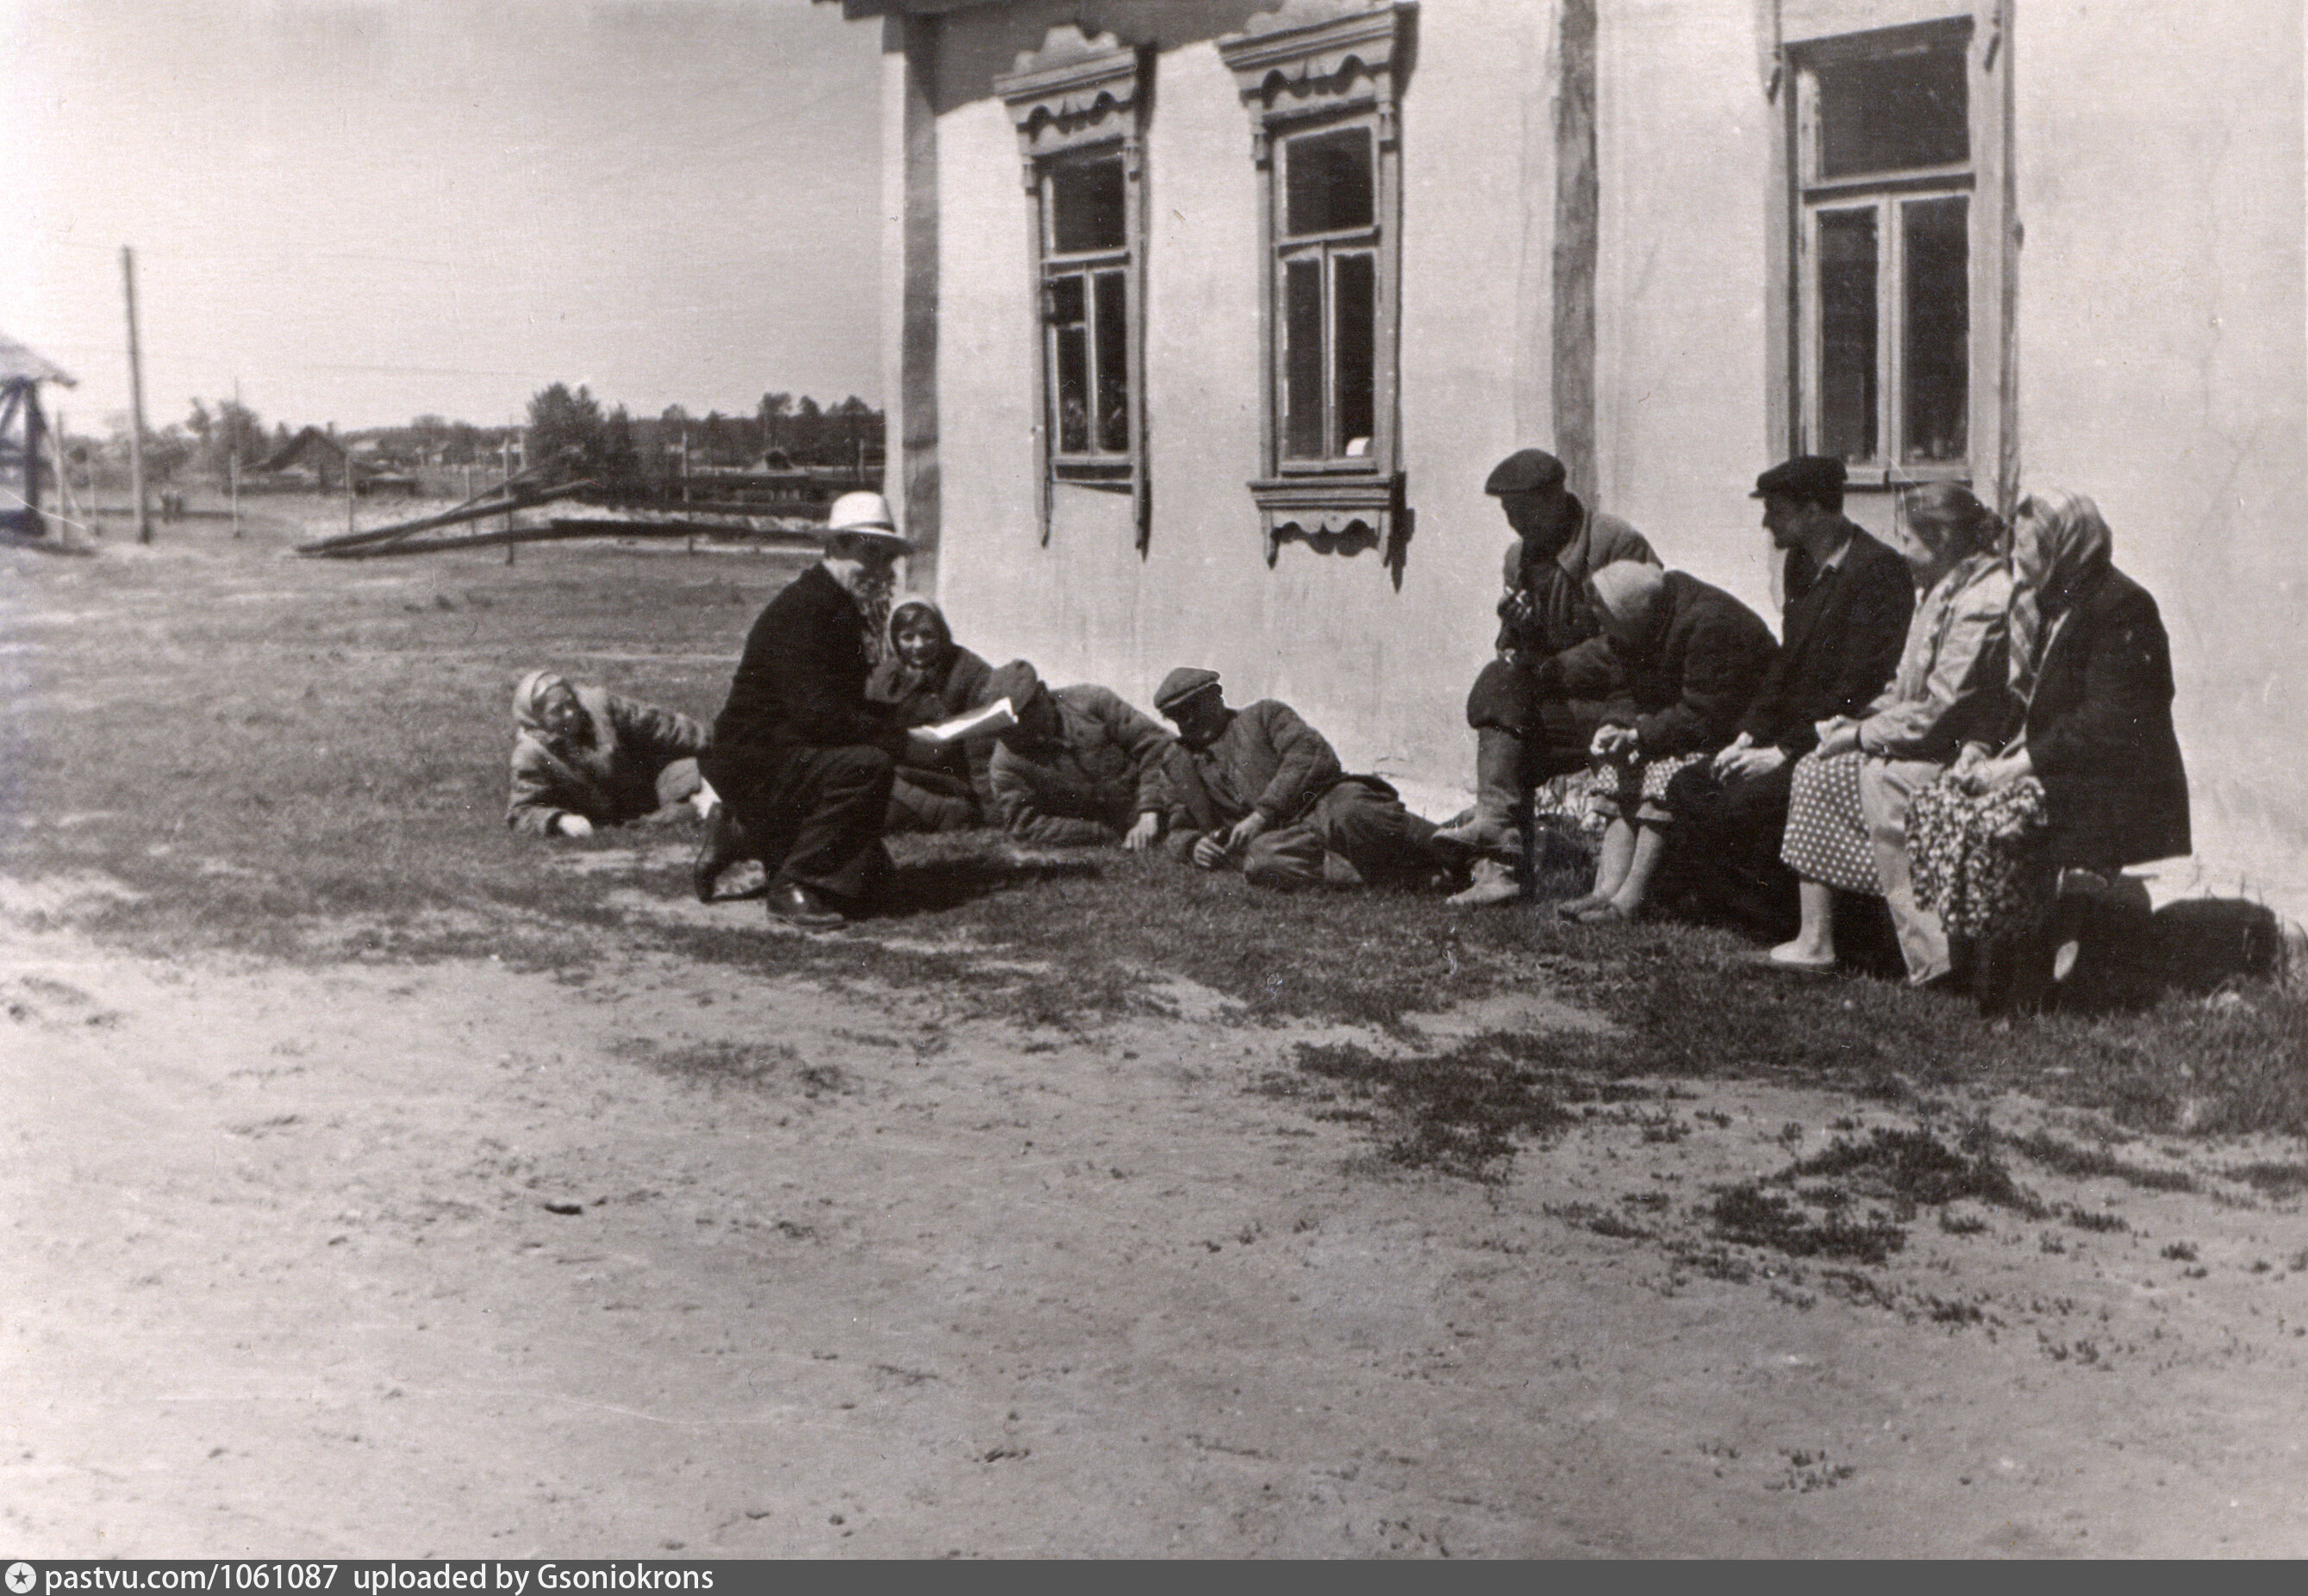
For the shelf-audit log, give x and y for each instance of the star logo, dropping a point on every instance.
(20, 1578)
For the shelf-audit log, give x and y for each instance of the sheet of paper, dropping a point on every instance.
(997, 716)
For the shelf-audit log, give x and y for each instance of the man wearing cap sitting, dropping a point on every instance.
(1848, 601)
(803, 761)
(1535, 707)
(1080, 767)
(1260, 790)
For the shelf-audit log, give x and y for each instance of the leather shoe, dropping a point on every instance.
(796, 905)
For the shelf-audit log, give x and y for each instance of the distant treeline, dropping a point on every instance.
(783, 431)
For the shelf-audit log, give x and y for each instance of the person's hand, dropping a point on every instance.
(573, 825)
(1208, 855)
(1839, 735)
(1245, 832)
(1750, 763)
(1970, 758)
(1989, 774)
(1730, 752)
(1620, 742)
(1515, 607)
(1142, 833)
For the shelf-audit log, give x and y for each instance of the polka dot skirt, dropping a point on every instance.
(1639, 791)
(1826, 839)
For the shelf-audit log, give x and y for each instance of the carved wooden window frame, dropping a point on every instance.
(1079, 99)
(1299, 77)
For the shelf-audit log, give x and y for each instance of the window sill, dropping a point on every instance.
(1889, 479)
(1362, 508)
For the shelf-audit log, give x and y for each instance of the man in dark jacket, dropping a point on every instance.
(1080, 766)
(1849, 602)
(1260, 790)
(800, 756)
(1535, 708)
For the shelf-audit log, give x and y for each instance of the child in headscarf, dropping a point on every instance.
(930, 678)
(582, 756)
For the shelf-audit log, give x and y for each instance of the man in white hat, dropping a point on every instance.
(802, 759)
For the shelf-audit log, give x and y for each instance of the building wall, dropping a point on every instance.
(1384, 671)
(2162, 359)
(2164, 370)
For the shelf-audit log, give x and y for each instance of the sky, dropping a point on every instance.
(364, 210)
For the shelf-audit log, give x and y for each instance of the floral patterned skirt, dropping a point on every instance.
(1979, 861)
(1638, 790)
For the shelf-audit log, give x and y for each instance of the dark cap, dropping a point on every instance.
(1526, 470)
(1812, 479)
(1016, 682)
(1183, 684)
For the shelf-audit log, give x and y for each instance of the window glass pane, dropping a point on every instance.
(1893, 112)
(1085, 206)
(1113, 365)
(1846, 333)
(1327, 184)
(1936, 360)
(1302, 359)
(1063, 304)
(1354, 324)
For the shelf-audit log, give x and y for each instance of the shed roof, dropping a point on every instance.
(20, 364)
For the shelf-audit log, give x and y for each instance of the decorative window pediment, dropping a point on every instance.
(1320, 80)
(1077, 89)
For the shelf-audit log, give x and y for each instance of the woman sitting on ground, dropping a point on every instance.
(931, 678)
(1693, 656)
(2093, 782)
(1848, 808)
(582, 756)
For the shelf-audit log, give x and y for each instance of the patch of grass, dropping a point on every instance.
(1747, 1214)
(2272, 1180)
(1457, 1111)
(2065, 1158)
(1916, 1168)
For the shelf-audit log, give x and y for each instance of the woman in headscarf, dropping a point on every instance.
(583, 756)
(2092, 782)
(1691, 656)
(930, 678)
(1848, 808)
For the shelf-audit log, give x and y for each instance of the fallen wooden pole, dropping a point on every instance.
(494, 506)
(558, 532)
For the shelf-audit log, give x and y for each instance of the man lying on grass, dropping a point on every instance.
(1261, 792)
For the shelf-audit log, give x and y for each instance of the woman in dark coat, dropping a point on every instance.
(1691, 656)
(2093, 782)
(929, 678)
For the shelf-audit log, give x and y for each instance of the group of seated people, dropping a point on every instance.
(1964, 727)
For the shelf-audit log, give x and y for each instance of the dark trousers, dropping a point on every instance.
(812, 816)
(1725, 847)
(1554, 730)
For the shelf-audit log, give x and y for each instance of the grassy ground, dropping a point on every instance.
(305, 760)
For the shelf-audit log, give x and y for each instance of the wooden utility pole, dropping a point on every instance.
(232, 455)
(508, 477)
(135, 401)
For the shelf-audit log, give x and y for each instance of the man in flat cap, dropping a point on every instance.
(1080, 767)
(1537, 706)
(802, 760)
(1849, 602)
(1261, 792)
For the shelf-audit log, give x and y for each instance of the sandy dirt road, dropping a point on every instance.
(455, 1260)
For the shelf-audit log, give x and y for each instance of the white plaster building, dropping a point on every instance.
(1205, 320)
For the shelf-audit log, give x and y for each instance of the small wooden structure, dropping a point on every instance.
(28, 466)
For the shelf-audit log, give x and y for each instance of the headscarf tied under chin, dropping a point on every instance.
(906, 612)
(529, 702)
(2058, 543)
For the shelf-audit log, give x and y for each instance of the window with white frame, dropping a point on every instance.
(1078, 105)
(1887, 201)
(1317, 79)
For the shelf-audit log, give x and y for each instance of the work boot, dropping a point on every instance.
(1495, 827)
(1496, 881)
